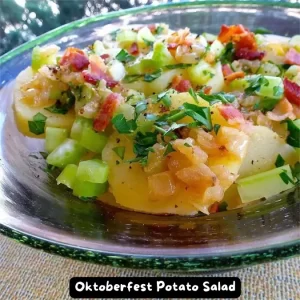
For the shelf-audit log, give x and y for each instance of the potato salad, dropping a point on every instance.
(168, 121)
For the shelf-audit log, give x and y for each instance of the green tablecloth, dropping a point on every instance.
(27, 273)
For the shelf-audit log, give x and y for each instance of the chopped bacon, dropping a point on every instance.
(226, 70)
(245, 53)
(181, 37)
(134, 49)
(104, 56)
(281, 111)
(234, 76)
(292, 91)
(97, 72)
(181, 85)
(292, 57)
(214, 208)
(227, 32)
(230, 113)
(207, 90)
(245, 40)
(172, 46)
(106, 111)
(152, 27)
(75, 58)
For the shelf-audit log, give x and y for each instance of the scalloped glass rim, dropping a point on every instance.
(188, 262)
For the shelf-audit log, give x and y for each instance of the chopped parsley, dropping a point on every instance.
(227, 55)
(279, 161)
(169, 149)
(159, 30)
(124, 56)
(120, 151)
(217, 128)
(178, 66)
(206, 72)
(255, 84)
(285, 177)
(294, 133)
(148, 43)
(123, 125)
(193, 94)
(265, 104)
(152, 76)
(139, 108)
(164, 98)
(65, 103)
(214, 98)
(132, 78)
(296, 171)
(37, 125)
(262, 30)
(187, 145)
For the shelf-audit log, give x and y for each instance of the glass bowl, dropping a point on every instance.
(35, 211)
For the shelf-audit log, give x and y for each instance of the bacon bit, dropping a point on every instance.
(172, 46)
(281, 111)
(245, 53)
(97, 72)
(207, 90)
(214, 208)
(292, 57)
(181, 85)
(106, 111)
(75, 58)
(180, 37)
(227, 32)
(230, 113)
(226, 70)
(245, 40)
(234, 75)
(104, 56)
(134, 49)
(292, 91)
(152, 28)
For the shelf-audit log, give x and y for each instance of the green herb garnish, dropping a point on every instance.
(214, 98)
(294, 133)
(124, 56)
(296, 170)
(139, 108)
(285, 177)
(187, 145)
(123, 125)
(227, 55)
(265, 104)
(131, 78)
(65, 103)
(279, 161)
(148, 43)
(37, 125)
(164, 98)
(152, 76)
(217, 128)
(262, 30)
(178, 66)
(120, 151)
(159, 30)
(255, 84)
(193, 94)
(169, 149)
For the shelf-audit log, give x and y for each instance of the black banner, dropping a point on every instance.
(153, 287)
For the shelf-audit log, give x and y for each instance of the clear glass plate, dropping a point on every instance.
(35, 211)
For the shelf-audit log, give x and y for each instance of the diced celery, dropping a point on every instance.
(126, 37)
(117, 70)
(161, 55)
(216, 48)
(127, 110)
(144, 125)
(98, 47)
(144, 37)
(69, 152)
(43, 56)
(134, 97)
(54, 137)
(145, 65)
(264, 185)
(209, 37)
(268, 68)
(295, 42)
(94, 170)
(89, 189)
(68, 176)
(77, 128)
(292, 73)
(201, 73)
(92, 140)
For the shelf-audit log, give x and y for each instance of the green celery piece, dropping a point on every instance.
(69, 152)
(141, 67)
(94, 170)
(54, 137)
(89, 189)
(126, 37)
(77, 127)
(161, 55)
(40, 57)
(201, 73)
(265, 184)
(92, 140)
(68, 176)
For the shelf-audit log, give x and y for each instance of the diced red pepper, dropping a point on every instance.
(245, 53)
(292, 91)
(134, 49)
(228, 32)
(292, 57)
(106, 111)
(181, 85)
(104, 56)
(75, 58)
(230, 113)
